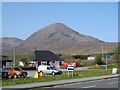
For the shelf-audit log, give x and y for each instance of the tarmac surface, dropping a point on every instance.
(63, 82)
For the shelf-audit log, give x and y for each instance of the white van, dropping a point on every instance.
(45, 69)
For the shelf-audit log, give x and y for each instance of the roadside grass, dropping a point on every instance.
(109, 66)
(77, 74)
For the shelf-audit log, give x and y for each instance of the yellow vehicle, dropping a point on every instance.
(15, 72)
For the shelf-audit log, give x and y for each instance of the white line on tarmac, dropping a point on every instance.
(67, 84)
(89, 86)
(111, 82)
(72, 84)
(112, 78)
(95, 81)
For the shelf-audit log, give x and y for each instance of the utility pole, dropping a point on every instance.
(14, 56)
(106, 57)
(102, 52)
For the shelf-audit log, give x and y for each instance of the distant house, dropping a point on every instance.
(47, 58)
(91, 57)
(108, 56)
(31, 64)
(5, 62)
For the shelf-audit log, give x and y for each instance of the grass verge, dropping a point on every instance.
(77, 74)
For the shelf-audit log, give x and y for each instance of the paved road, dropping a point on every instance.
(104, 83)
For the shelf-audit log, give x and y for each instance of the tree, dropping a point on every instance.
(24, 60)
(98, 59)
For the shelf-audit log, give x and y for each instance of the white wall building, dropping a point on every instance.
(91, 57)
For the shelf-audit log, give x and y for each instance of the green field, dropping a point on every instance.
(77, 74)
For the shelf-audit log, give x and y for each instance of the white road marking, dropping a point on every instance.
(58, 86)
(95, 81)
(111, 82)
(89, 86)
(91, 81)
(67, 84)
(71, 84)
(112, 78)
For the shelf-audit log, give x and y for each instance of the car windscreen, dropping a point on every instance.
(17, 68)
(53, 68)
(7, 68)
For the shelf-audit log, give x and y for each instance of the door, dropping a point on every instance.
(10, 71)
(49, 71)
(43, 62)
(57, 64)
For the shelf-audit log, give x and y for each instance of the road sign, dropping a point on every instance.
(114, 70)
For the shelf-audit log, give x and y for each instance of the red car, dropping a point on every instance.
(64, 65)
(74, 63)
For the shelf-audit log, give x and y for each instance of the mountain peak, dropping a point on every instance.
(57, 24)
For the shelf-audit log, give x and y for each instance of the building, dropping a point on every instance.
(31, 64)
(5, 62)
(91, 57)
(108, 56)
(47, 58)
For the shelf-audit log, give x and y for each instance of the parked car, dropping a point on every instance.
(15, 72)
(45, 69)
(64, 65)
(74, 63)
(3, 74)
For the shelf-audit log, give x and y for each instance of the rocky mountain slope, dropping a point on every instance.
(8, 43)
(59, 38)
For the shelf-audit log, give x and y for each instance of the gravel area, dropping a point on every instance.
(31, 73)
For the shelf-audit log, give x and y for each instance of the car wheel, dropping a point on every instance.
(15, 76)
(24, 75)
(53, 73)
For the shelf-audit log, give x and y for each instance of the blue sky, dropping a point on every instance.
(96, 19)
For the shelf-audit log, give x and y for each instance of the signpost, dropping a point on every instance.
(106, 57)
(70, 69)
(114, 71)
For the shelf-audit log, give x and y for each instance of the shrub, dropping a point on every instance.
(98, 59)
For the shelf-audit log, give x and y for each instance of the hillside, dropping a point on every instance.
(59, 38)
(8, 43)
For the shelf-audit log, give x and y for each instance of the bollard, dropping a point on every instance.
(36, 75)
(40, 74)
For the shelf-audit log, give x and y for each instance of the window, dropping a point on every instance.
(7, 69)
(17, 68)
(48, 68)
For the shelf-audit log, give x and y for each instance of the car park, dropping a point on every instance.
(48, 70)
(3, 74)
(15, 72)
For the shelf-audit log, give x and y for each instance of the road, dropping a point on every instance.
(104, 83)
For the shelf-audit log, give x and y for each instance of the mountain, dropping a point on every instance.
(8, 43)
(59, 38)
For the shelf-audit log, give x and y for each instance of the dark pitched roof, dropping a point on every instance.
(46, 56)
(5, 60)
